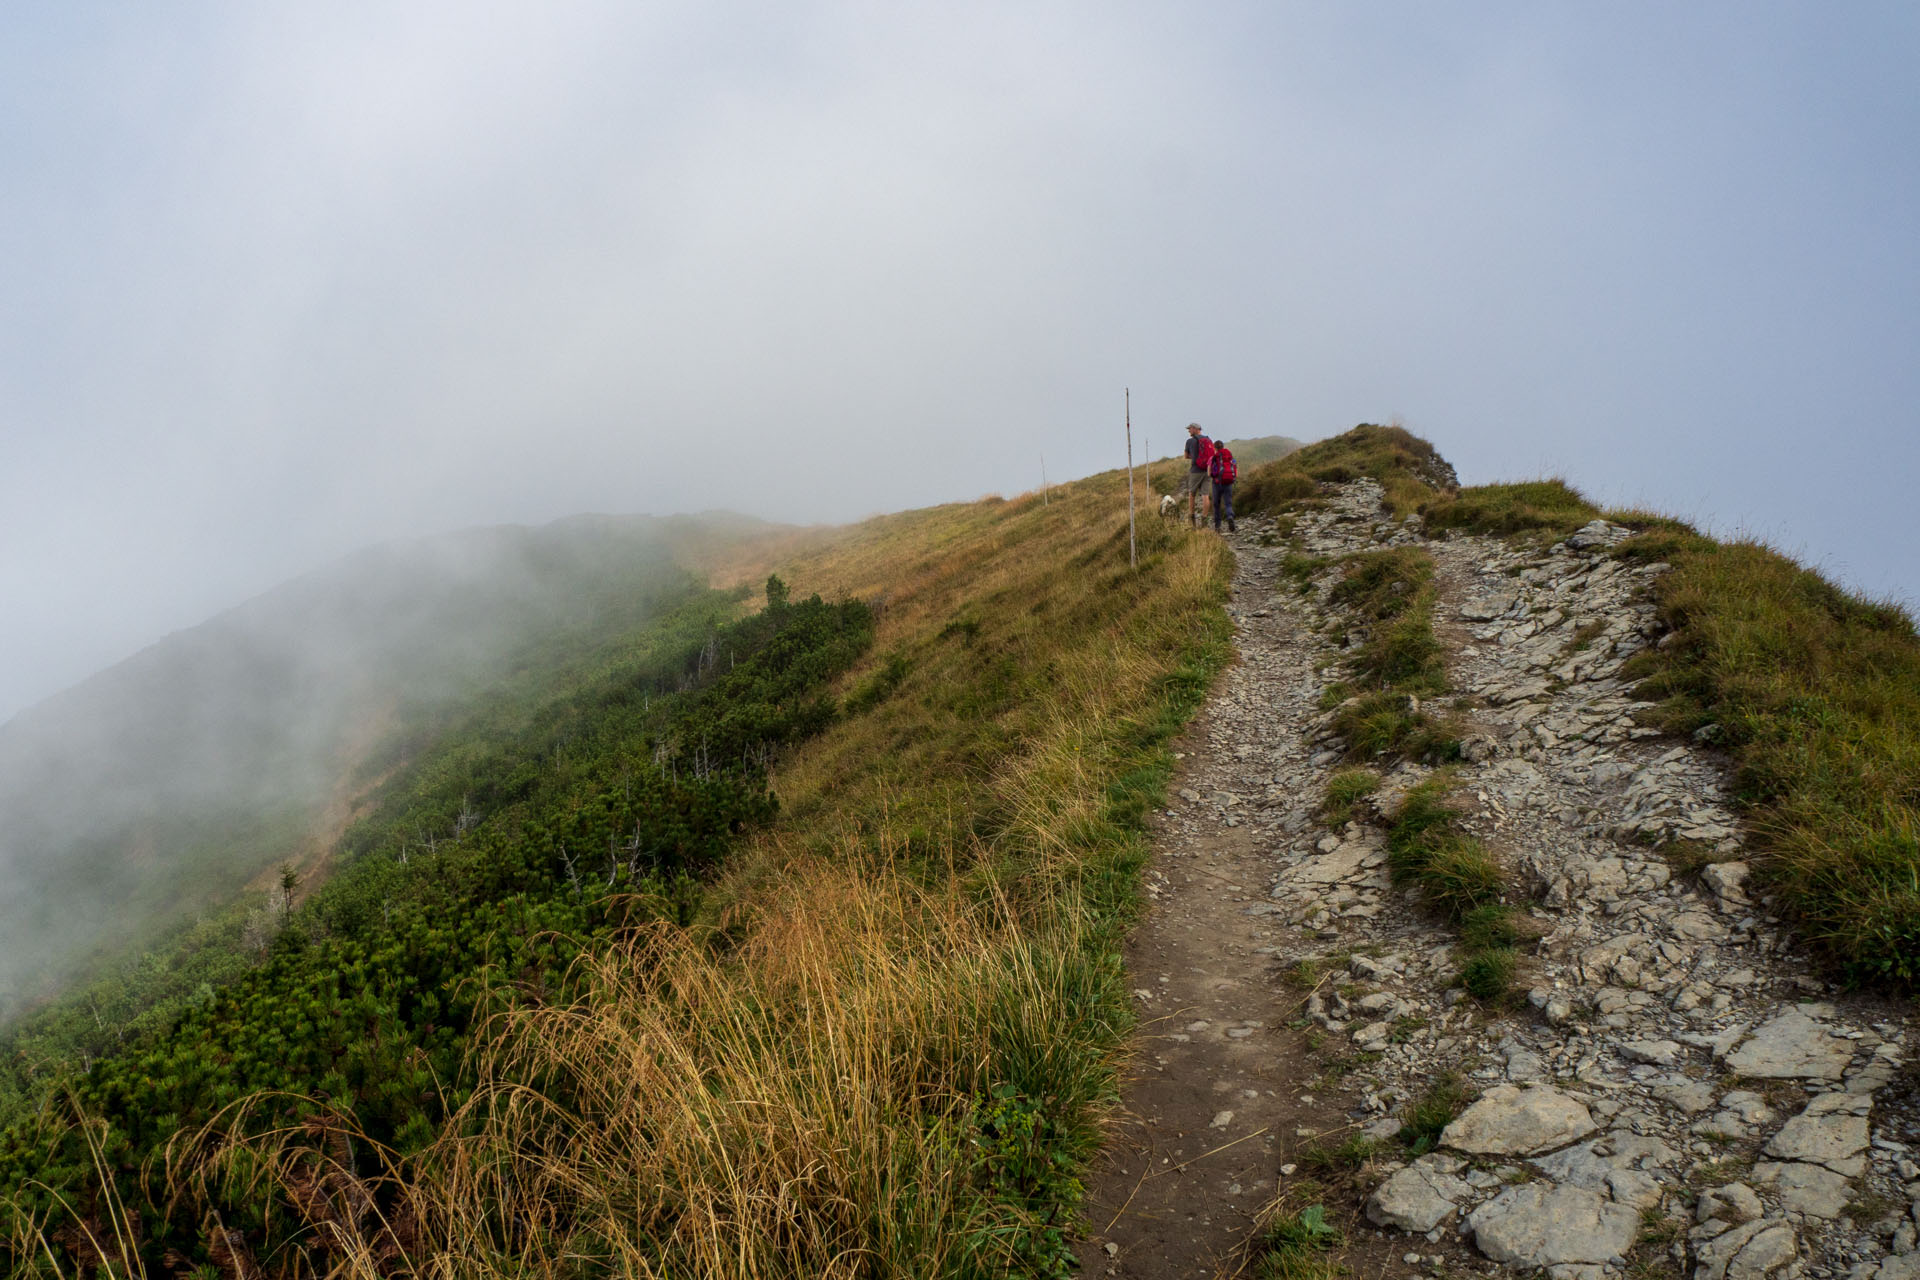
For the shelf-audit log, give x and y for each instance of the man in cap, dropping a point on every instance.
(1199, 459)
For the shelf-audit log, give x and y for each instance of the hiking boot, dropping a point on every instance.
(1231, 528)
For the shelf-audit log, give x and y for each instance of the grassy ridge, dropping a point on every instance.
(1814, 690)
(878, 1039)
(1817, 693)
(914, 975)
(1407, 468)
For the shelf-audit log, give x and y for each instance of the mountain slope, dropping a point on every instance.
(161, 786)
(949, 860)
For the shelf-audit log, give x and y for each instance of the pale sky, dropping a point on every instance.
(279, 281)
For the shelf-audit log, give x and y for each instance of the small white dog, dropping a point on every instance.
(1169, 508)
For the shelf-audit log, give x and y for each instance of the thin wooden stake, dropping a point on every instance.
(1133, 545)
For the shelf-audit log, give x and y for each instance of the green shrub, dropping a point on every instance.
(591, 812)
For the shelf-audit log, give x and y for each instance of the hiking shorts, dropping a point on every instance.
(1197, 482)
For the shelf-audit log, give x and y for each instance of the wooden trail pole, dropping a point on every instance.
(1133, 545)
(1046, 498)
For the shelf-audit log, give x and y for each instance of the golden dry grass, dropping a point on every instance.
(801, 1107)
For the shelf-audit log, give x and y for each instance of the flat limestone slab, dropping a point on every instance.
(1792, 1047)
(1419, 1197)
(1540, 1225)
(1832, 1132)
(1806, 1189)
(1344, 863)
(1508, 1120)
(1746, 1252)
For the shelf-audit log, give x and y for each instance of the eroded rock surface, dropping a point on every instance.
(1508, 1120)
(1570, 1231)
(1679, 1091)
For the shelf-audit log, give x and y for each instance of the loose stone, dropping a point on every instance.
(1513, 1121)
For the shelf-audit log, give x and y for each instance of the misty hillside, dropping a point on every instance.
(165, 783)
(769, 933)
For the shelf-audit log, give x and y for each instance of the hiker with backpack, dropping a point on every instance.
(1223, 471)
(1199, 477)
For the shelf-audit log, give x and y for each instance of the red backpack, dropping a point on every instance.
(1203, 456)
(1221, 466)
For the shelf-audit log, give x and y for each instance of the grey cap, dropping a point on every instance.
(1193, 426)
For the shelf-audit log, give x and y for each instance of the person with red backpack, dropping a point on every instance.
(1199, 473)
(1223, 470)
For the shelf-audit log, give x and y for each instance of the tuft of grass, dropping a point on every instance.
(1651, 1256)
(1307, 973)
(1273, 487)
(1392, 590)
(1376, 723)
(1425, 849)
(1583, 639)
(1384, 584)
(1866, 1209)
(1347, 1156)
(1488, 974)
(1404, 655)
(1458, 879)
(1426, 1119)
(1487, 927)
(1457, 875)
(1718, 1173)
(1424, 812)
(1345, 789)
(1303, 569)
(1335, 694)
(1294, 1247)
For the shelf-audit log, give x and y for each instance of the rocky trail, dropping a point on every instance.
(1676, 1094)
